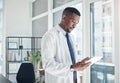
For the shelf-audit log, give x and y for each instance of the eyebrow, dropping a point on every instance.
(75, 20)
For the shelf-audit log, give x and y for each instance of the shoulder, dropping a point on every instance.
(51, 34)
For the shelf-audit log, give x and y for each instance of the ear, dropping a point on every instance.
(63, 16)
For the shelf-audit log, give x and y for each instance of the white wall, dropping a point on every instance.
(17, 18)
(17, 21)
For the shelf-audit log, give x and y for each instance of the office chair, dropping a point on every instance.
(26, 73)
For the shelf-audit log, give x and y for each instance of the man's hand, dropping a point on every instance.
(80, 66)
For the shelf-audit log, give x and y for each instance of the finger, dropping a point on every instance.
(85, 59)
(86, 65)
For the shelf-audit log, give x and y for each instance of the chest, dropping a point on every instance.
(62, 50)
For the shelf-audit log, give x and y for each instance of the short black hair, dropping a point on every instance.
(71, 10)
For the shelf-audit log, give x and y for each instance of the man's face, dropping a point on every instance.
(70, 21)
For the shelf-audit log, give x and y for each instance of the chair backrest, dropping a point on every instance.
(26, 73)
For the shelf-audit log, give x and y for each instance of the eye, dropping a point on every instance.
(75, 21)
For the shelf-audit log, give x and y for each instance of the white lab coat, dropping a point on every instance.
(56, 58)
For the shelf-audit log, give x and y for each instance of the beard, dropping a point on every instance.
(70, 29)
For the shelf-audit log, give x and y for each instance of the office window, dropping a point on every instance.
(77, 32)
(39, 26)
(57, 17)
(101, 41)
(38, 8)
(1, 4)
(1, 31)
(57, 3)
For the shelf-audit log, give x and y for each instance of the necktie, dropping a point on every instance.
(72, 54)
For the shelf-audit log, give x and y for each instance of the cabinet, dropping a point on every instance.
(17, 49)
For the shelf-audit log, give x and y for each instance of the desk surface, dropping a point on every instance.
(4, 79)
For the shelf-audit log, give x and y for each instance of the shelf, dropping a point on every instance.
(17, 51)
(23, 37)
(15, 61)
(19, 61)
(12, 48)
(24, 49)
(11, 73)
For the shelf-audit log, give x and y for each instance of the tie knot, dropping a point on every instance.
(67, 34)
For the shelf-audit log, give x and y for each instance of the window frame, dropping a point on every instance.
(86, 31)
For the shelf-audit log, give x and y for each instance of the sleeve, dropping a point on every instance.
(49, 61)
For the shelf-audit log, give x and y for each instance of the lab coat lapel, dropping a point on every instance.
(64, 47)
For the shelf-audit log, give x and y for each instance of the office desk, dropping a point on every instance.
(4, 79)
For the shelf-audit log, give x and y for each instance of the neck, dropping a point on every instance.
(63, 27)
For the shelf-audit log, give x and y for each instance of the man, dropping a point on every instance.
(58, 51)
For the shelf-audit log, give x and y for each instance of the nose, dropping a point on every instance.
(74, 25)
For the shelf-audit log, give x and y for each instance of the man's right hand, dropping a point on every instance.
(80, 66)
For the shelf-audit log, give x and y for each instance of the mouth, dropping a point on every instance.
(72, 28)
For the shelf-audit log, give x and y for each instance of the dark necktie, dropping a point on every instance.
(72, 54)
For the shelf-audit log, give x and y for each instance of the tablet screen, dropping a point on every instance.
(94, 59)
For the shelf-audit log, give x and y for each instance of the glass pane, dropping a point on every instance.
(1, 4)
(38, 8)
(57, 3)
(77, 32)
(40, 26)
(57, 17)
(101, 41)
(1, 31)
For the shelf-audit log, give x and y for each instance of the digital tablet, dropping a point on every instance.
(94, 59)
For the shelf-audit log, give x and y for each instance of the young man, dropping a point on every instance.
(58, 51)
